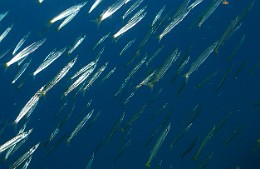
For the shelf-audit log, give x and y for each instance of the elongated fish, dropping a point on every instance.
(80, 125)
(146, 80)
(213, 6)
(201, 59)
(50, 58)
(80, 79)
(76, 44)
(132, 8)
(84, 69)
(111, 10)
(24, 157)
(95, 76)
(30, 105)
(20, 43)
(164, 68)
(6, 32)
(90, 161)
(3, 15)
(67, 12)
(21, 71)
(96, 3)
(14, 140)
(27, 163)
(127, 46)
(115, 127)
(158, 145)
(25, 52)
(59, 76)
(101, 40)
(132, 22)
(157, 16)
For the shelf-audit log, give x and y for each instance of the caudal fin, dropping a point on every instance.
(186, 76)
(150, 85)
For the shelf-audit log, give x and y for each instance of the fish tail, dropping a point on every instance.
(159, 37)
(148, 164)
(44, 30)
(150, 85)
(186, 76)
(97, 21)
(5, 65)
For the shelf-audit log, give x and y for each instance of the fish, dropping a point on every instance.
(59, 76)
(102, 39)
(154, 55)
(158, 145)
(6, 32)
(132, 8)
(180, 134)
(79, 126)
(28, 161)
(108, 75)
(131, 23)
(127, 46)
(15, 140)
(21, 71)
(164, 68)
(208, 12)
(122, 150)
(206, 161)
(79, 40)
(20, 43)
(25, 52)
(157, 16)
(207, 79)
(233, 26)
(2, 54)
(68, 12)
(94, 5)
(146, 80)
(190, 147)
(95, 76)
(201, 59)
(223, 79)
(239, 69)
(232, 135)
(111, 10)
(134, 118)
(204, 142)
(30, 105)
(79, 80)
(241, 41)
(50, 58)
(90, 161)
(115, 127)
(24, 157)
(179, 18)
(3, 15)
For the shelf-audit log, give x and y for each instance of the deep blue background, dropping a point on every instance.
(236, 95)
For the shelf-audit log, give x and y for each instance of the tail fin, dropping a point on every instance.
(186, 76)
(97, 21)
(150, 85)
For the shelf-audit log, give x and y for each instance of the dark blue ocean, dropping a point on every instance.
(228, 103)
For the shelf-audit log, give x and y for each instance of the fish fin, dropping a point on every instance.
(159, 37)
(148, 164)
(186, 76)
(4, 65)
(97, 21)
(46, 27)
(150, 85)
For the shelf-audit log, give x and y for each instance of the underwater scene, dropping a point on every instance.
(129, 84)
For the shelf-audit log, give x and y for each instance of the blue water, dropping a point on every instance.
(236, 95)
